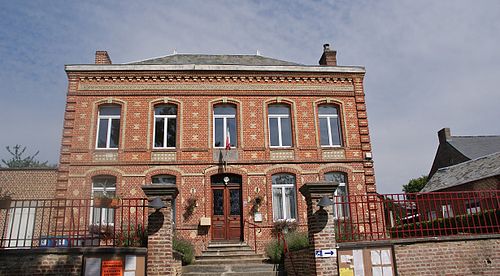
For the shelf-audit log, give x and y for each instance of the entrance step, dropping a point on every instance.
(230, 258)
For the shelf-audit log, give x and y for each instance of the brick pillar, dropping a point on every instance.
(160, 231)
(320, 226)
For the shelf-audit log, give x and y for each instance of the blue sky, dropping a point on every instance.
(430, 64)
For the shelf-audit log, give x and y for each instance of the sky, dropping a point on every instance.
(430, 64)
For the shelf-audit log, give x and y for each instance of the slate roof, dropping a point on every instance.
(475, 146)
(180, 59)
(480, 168)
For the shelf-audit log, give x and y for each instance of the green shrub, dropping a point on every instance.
(186, 248)
(294, 240)
(297, 240)
(274, 250)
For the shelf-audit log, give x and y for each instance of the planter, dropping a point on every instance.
(5, 202)
(104, 202)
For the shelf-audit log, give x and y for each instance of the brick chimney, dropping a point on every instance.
(444, 135)
(329, 57)
(102, 57)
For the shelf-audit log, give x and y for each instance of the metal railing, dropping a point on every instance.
(255, 228)
(74, 223)
(392, 216)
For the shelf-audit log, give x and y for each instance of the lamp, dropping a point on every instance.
(325, 201)
(157, 203)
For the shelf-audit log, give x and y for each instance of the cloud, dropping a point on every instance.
(430, 64)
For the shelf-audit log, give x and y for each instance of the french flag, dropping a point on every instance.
(228, 140)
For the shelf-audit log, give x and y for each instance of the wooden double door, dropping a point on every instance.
(226, 212)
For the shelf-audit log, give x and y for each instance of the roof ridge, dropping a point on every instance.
(473, 136)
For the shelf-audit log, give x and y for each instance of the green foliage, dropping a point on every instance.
(488, 220)
(186, 248)
(415, 185)
(345, 231)
(294, 240)
(284, 226)
(132, 236)
(19, 161)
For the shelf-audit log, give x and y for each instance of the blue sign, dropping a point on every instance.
(325, 253)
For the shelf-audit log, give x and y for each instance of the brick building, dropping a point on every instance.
(238, 135)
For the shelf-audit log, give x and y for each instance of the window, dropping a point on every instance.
(280, 127)
(447, 211)
(103, 186)
(108, 127)
(21, 223)
(329, 126)
(473, 206)
(341, 199)
(224, 126)
(165, 127)
(284, 200)
(166, 179)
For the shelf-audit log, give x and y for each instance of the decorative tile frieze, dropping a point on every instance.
(105, 156)
(282, 155)
(221, 155)
(334, 154)
(163, 156)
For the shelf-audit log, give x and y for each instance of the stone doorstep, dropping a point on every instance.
(241, 270)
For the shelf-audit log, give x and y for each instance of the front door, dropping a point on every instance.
(226, 211)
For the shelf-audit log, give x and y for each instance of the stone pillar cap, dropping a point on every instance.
(322, 187)
(168, 190)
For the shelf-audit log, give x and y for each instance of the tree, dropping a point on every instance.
(415, 184)
(19, 161)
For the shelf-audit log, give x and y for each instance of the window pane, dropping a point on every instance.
(336, 176)
(279, 109)
(283, 179)
(115, 133)
(165, 109)
(219, 132)
(103, 133)
(290, 202)
(334, 124)
(286, 132)
(231, 124)
(225, 109)
(218, 197)
(163, 179)
(234, 198)
(171, 132)
(277, 204)
(323, 129)
(328, 110)
(109, 110)
(273, 131)
(159, 132)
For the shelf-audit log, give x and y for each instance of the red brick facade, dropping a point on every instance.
(28, 183)
(195, 91)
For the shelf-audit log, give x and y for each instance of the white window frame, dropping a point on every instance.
(224, 118)
(104, 220)
(110, 119)
(21, 223)
(329, 117)
(279, 117)
(447, 210)
(165, 129)
(335, 197)
(283, 187)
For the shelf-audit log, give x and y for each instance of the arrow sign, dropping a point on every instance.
(325, 253)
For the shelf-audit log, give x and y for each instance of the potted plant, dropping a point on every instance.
(5, 199)
(107, 201)
(104, 231)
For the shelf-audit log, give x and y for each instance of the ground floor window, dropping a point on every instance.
(284, 198)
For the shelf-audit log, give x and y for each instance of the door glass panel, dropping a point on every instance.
(234, 197)
(218, 202)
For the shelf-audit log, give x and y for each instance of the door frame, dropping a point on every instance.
(226, 186)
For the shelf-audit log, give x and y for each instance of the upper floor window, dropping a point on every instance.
(103, 186)
(225, 126)
(280, 127)
(165, 128)
(341, 207)
(329, 126)
(108, 127)
(284, 199)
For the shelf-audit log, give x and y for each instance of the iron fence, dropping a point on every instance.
(74, 223)
(392, 216)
